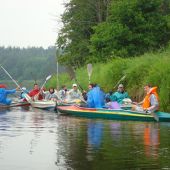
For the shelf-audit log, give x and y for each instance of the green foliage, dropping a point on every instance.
(132, 28)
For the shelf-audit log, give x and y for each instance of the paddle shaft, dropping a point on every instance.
(122, 78)
(89, 70)
(26, 95)
(11, 77)
(47, 78)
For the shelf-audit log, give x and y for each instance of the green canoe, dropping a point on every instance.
(118, 114)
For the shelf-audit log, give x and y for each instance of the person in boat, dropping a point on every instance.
(151, 101)
(35, 93)
(63, 92)
(119, 95)
(95, 97)
(74, 95)
(24, 91)
(3, 94)
(50, 94)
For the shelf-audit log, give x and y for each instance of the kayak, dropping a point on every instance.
(16, 104)
(116, 114)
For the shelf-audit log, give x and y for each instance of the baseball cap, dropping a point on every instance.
(120, 86)
(74, 85)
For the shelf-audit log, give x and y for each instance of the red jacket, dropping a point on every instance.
(33, 92)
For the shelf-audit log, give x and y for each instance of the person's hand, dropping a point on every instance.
(17, 88)
(135, 103)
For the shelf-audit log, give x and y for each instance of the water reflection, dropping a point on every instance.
(115, 129)
(95, 132)
(44, 140)
(151, 139)
(113, 142)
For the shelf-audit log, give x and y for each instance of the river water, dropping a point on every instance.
(32, 139)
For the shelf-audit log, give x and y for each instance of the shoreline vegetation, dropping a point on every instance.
(152, 68)
(120, 38)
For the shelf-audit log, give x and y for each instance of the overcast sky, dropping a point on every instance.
(29, 22)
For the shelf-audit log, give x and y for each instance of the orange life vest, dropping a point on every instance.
(146, 102)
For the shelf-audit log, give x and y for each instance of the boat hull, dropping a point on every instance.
(112, 114)
(17, 104)
(44, 104)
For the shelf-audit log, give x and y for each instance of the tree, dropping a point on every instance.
(132, 28)
(78, 19)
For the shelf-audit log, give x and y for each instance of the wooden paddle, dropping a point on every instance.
(89, 70)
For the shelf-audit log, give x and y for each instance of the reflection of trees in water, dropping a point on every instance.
(72, 143)
(105, 144)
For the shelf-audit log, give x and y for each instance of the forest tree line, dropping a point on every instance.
(99, 30)
(33, 63)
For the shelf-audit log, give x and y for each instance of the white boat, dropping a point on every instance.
(41, 104)
(44, 104)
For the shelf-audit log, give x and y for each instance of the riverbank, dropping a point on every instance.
(152, 68)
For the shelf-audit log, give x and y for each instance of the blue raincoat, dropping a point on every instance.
(3, 96)
(95, 98)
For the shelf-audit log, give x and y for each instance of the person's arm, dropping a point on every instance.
(140, 103)
(113, 97)
(44, 92)
(10, 91)
(127, 95)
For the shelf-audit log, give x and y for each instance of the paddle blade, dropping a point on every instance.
(89, 69)
(47, 78)
(156, 117)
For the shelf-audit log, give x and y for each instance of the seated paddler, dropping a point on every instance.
(4, 92)
(74, 95)
(119, 95)
(150, 103)
(35, 93)
(95, 96)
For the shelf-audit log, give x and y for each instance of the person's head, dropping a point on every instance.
(120, 88)
(91, 85)
(51, 90)
(24, 88)
(64, 87)
(74, 86)
(36, 87)
(147, 88)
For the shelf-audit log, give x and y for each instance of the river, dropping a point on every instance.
(33, 139)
